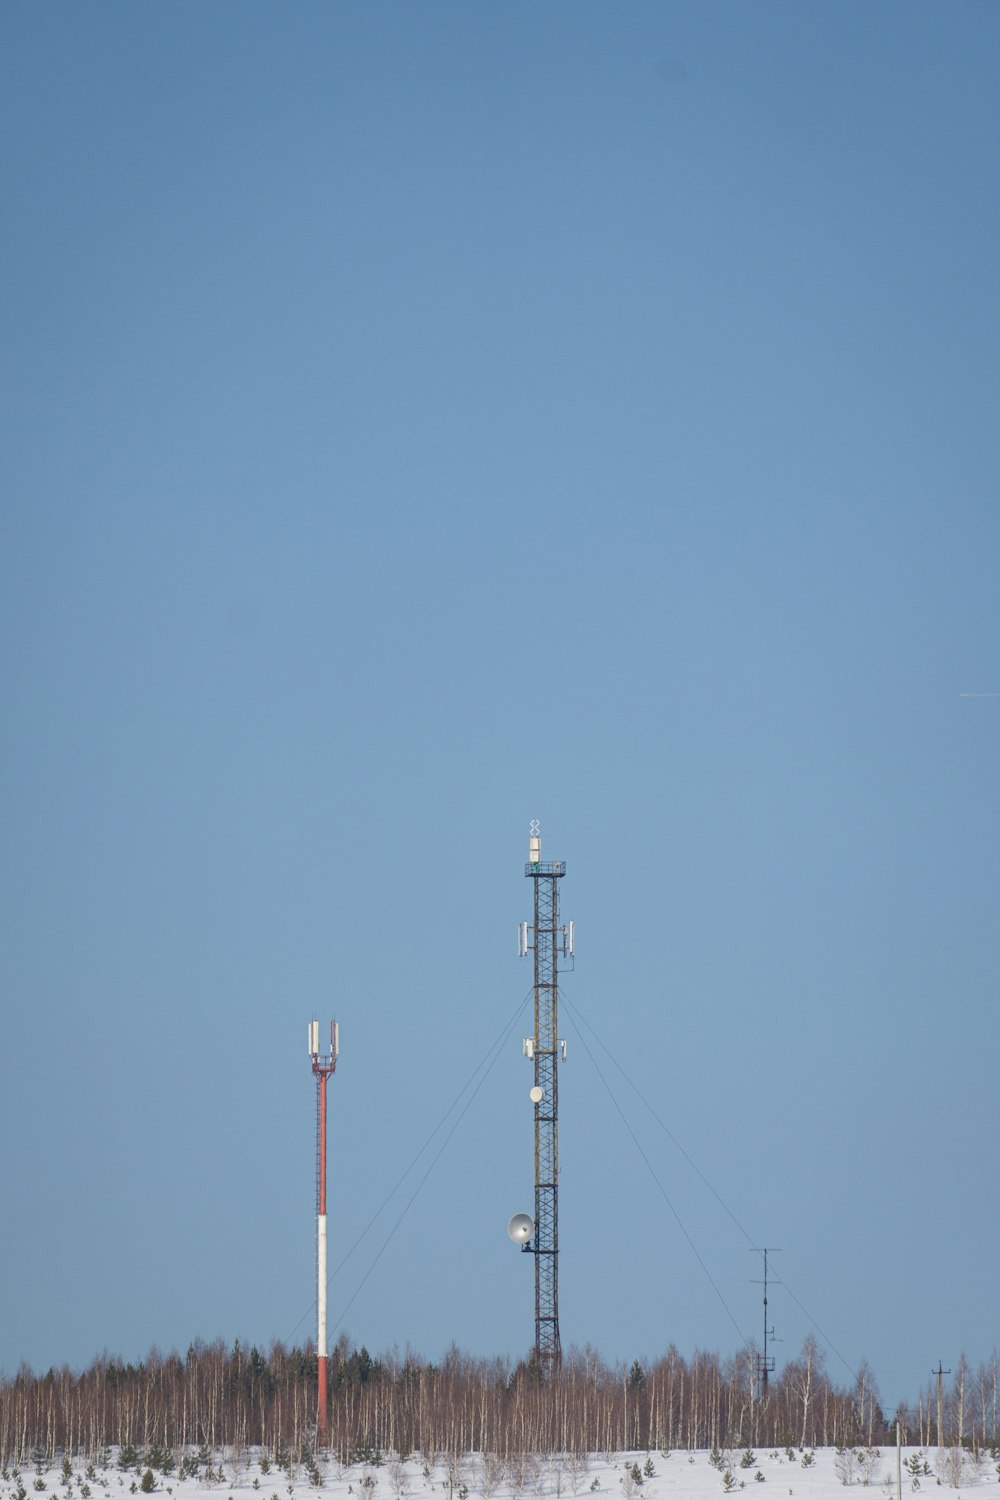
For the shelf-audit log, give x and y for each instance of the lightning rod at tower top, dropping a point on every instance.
(548, 941)
(323, 1064)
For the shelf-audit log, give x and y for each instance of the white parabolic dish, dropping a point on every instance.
(521, 1228)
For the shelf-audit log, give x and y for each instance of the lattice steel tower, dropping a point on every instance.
(548, 940)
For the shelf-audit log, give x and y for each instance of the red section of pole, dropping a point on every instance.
(321, 1432)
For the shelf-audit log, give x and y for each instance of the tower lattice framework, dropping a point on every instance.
(549, 941)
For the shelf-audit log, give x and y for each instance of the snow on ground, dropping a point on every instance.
(765, 1474)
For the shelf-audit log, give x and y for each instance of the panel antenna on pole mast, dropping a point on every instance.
(547, 940)
(323, 1064)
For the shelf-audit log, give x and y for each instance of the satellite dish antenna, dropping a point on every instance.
(521, 1228)
(536, 1095)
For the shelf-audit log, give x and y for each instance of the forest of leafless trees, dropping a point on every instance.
(216, 1399)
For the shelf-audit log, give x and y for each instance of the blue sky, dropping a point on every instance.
(422, 418)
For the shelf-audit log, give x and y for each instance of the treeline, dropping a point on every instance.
(222, 1399)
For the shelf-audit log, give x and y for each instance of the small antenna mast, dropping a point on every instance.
(323, 1064)
(765, 1361)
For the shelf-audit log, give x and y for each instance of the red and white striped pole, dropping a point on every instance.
(323, 1064)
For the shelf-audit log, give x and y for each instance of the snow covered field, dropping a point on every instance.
(803, 1474)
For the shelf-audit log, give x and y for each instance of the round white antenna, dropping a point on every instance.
(536, 1095)
(521, 1228)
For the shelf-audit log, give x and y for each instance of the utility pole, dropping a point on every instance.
(939, 1373)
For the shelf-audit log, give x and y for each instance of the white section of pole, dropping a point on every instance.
(321, 1285)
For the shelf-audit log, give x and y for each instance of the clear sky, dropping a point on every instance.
(420, 418)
